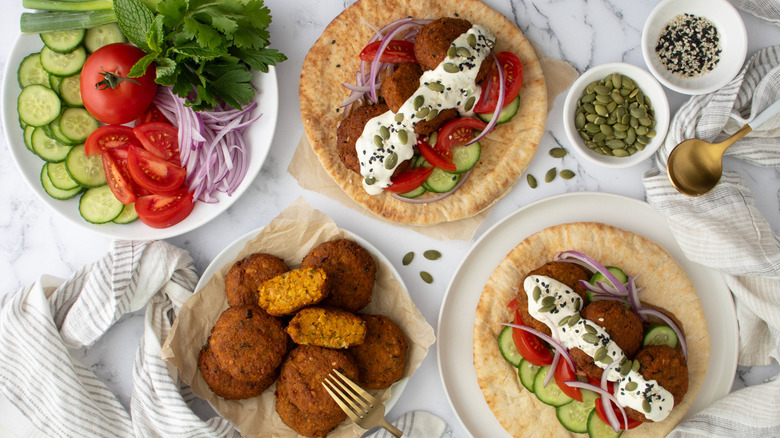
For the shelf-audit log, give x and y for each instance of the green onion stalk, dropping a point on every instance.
(56, 15)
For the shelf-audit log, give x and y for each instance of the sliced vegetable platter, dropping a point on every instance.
(259, 136)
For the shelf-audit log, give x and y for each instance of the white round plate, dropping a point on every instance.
(259, 136)
(456, 317)
(231, 252)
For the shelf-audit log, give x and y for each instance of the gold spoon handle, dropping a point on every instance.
(745, 130)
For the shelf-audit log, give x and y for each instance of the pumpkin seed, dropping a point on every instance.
(426, 277)
(537, 293)
(590, 329)
(632, 386)
(432, 115)
(464, 52)
(370, 180)
(472, 40)
(574, 318)
(399, 117)
(452, 52)
(436, 86)
(391, 161)
(601, 353)
(635, 366)
(378, 141)
(646, 405)
(432, 254)
(531, 181)
(579, 120)
(567, 174)
(403, 136)
(557, 152)
(564, 321)
(450, 67)
(548, 301)
(625, 368)
(408, 257)
(384, 132)
(590, 338)
(547, 309)
(422, 113)
(550, 175)
(418, 102)
(470, 103)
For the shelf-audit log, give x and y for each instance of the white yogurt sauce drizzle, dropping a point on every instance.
(556, 306)
(449, 90)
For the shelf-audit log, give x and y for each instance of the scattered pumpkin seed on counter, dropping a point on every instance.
(408, 257)
(550, 175)
(432, 254)
(531, 180)
(428, 278)
(614, 117)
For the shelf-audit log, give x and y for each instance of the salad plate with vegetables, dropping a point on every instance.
(119, 151)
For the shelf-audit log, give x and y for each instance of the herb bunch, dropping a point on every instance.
(204, 49)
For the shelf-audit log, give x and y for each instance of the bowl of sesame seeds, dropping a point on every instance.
(694, 46)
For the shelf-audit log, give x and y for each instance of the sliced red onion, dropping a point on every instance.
(499, 104)
(438, 197)
(613, 421)
(657, 313)
(553, 367)
(605, 374)
(558, 346)
(594, 266)
(633, 297)
(375, 64)
(599, 288)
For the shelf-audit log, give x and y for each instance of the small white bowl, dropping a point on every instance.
(731, 34)
(649, 86)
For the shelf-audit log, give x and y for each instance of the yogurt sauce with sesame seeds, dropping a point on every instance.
(558, 306)
(388, 139)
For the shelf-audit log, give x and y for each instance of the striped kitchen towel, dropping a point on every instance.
(58, 395)
(725, 231)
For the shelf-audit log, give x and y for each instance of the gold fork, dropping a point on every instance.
(360, 406)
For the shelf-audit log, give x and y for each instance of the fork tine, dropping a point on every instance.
(339, 399)
(354, 398)
(356, 388)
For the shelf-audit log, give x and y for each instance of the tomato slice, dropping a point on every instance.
(432, 156)
(458, 132)
(109, 137)
(530, 347)
(409, 180)
(632, 423)
(153, 173)
(161, 139)
(513, 79)
(118, 180)
(395, 52)
(119, 154)
(160, 211)
(564, 373)
(152, 114)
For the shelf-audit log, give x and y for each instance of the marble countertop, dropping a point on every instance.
(34, 241)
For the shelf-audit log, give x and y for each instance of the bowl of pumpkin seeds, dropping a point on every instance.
(616, 115)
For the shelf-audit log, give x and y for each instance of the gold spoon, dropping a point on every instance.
(695, 166)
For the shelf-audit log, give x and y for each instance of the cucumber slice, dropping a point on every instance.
(55, 83)
(528, 372)
(507, 347)
(506, 113)
(38, 105)
(77, 123)
(87, 171)
(28, 132)
(53, 191)
(31, 72)
(441, 181)
(599, 429)
(128, 215)
(63, 41)
(70, 90)
(413, 193)
(574, 416)
(100, 36)
(598, 276)
(98, 205)
(48, 148)
(53, 130)
(550, 394)
(466, 157)
(58, 174)
(660, 335)
(63, 64)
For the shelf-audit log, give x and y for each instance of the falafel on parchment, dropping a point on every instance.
(326, 327)
(381, 358)
(291, 291)
(225, 385)
(247, 274)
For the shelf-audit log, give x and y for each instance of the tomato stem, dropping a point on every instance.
(111, 80)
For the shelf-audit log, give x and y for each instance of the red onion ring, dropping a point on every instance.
(604, 395)
(558, 347)
(581, 259)
(658, 314)
(499, 104)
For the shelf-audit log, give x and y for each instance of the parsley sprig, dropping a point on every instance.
(205, 49)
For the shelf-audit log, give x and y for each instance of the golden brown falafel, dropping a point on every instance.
(291, 291)
(225, 385)
(351, 270)
(567, 273)
(351, 128)
(326, 327)
(381, 358)
(247, 274)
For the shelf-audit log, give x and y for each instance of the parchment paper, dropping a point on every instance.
(305, 166)
(290, 236)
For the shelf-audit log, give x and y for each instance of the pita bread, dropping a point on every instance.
(506, 151)
(666, 285)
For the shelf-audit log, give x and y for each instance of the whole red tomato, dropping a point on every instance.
(108, 93)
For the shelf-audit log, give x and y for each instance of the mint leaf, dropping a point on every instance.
(156, 34)
(166, 71)
(135, 20)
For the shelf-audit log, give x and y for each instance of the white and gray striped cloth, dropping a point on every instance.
(725, 231)
(42, 380)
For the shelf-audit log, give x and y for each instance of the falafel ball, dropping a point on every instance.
(620, 323)
(381, 358)
(326, 327)
(434, 39)
(303, 372)
(248, 343)
(247, 274)
(400, 85)
(426, 127)
(225, 385)
(351, 128)
(351, 270)
(567, 273)
(305, 423)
